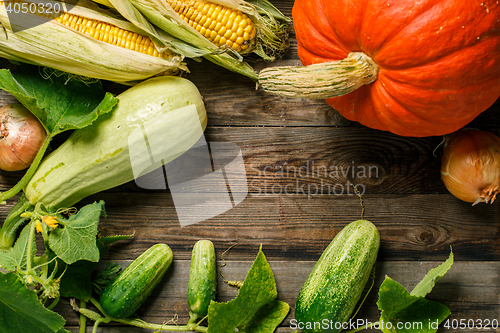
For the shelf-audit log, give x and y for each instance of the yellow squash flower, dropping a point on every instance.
(38, 227)
(51, 221)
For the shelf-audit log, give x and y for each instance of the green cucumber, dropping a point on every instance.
(334, 286)
(158, 119)
(202, 283)
(122, 297)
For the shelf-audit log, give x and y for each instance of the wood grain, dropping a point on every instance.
(322, 160)
(294, 150)
(296, 228)
(466, 294)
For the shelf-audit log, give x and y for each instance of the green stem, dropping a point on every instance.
(367, 326)
(29, 173)
(30, 246)
(12, 222)
(175, 328)
(143, 324)
(195, 321)
(193, 317)
(96, 323)
(54, 303)
(83, 319)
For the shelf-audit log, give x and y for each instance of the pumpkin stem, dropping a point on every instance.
(320, 81)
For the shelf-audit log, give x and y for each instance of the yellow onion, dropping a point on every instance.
(21, 136)
(470, 167)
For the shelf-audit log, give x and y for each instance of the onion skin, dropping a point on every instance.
(470, 167)
(21, 136)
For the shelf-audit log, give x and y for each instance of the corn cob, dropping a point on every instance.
(222, 25)
(96, 37)
(111, 34)
(102, 31)
(200, 28)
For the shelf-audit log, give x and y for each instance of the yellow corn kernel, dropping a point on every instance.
(113, 35)
(99, 30)
(221, 25)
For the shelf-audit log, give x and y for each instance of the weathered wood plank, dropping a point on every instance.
(294, 227)
(412, 227)
(313, 159)
(417, 218)
(469, 295)
(405, 198)
(322, 160)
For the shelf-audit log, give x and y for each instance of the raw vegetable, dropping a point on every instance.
(202, 285)
(72, 251)
(412, 68)
(254, 310)
(21, 136)
(254, 307)
(219, 24)
(96, 49)
(470, 166)
(169, 111)
(60, 104)
(336, 282)
(125, 295)
(39, 40)
(163, 20)
(398, 309)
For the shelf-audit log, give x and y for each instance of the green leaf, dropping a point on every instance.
(258, 289)
(17, 256)
(77, 280)
(76, 240)
(21, 311)
(406, 312)
(60, 103)
(267, 318)
(105, 241)
(428, 282)
(393, 297)
(105, 276)
(422, 316)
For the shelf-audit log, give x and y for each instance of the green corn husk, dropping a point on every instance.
(51, 44)
(271, 25)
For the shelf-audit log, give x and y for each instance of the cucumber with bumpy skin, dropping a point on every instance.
(121, 298)
(202, 283)
(335, 284)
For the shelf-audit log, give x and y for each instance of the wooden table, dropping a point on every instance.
(404, 197)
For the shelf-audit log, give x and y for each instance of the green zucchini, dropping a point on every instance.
(160, 118)
(202, 283)
(122, 297)
(334, 286)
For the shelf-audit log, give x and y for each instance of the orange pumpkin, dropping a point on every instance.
(438, 61)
